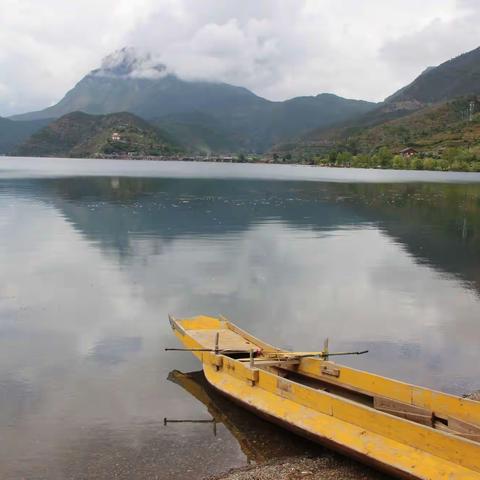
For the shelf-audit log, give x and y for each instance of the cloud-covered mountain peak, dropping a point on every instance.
(130, 62)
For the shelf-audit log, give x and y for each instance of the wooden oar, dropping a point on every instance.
(311, 354)
(268, 354)
(207, 350)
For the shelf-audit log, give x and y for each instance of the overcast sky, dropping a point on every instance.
(278, 48)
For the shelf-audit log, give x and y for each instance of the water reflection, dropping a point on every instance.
(258, 439)
(438, 223)
(113, 350)
(92, 266)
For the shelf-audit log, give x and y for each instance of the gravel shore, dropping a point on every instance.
(305, 468)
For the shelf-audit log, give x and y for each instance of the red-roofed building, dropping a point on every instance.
(408, 152)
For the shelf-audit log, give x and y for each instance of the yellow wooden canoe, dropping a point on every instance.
(406, 430)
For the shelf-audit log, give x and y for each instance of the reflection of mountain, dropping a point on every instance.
(258, 439)
(108, 210)
(439, 224)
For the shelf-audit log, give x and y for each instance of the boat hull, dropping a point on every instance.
(351, 425)
(319, 439)
(355, 442)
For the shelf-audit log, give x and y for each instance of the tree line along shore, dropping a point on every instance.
(454, 159)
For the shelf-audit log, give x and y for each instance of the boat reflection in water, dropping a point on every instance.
(259, 440)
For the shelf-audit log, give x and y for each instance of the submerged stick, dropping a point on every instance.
(167, 420)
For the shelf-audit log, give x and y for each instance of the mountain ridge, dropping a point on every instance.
(12, 133)
(458, 77)
(212, 117)
(149, 90)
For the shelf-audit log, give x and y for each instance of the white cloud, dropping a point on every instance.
(437, 41)
(46, 47)
(131, 62)
(277, 49)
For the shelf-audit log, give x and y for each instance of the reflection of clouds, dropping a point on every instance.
(113, 350)
(65, 299)
(48, 270)
(355, 286)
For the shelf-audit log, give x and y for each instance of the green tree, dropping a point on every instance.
(430, 164)
(458, 166)
(451, 154)
(384, 157)
(344, 158)
(398, 162)
(362, 161)
(443, 164)
(417, 164)
(332, 157)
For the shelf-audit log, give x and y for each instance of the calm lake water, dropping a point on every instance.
(95, 254)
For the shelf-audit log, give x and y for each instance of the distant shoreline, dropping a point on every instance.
(227, 159)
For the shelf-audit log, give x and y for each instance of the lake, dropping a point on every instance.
(95, 254)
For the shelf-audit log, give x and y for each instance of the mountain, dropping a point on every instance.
(257, 127)
(457, 77)
(411, 110)
(432, 129)
(199, 132)
(203, 115)
(13, 133)
(79, 134)
(128, 82)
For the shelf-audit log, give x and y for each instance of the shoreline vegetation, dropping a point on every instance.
(450, 160)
